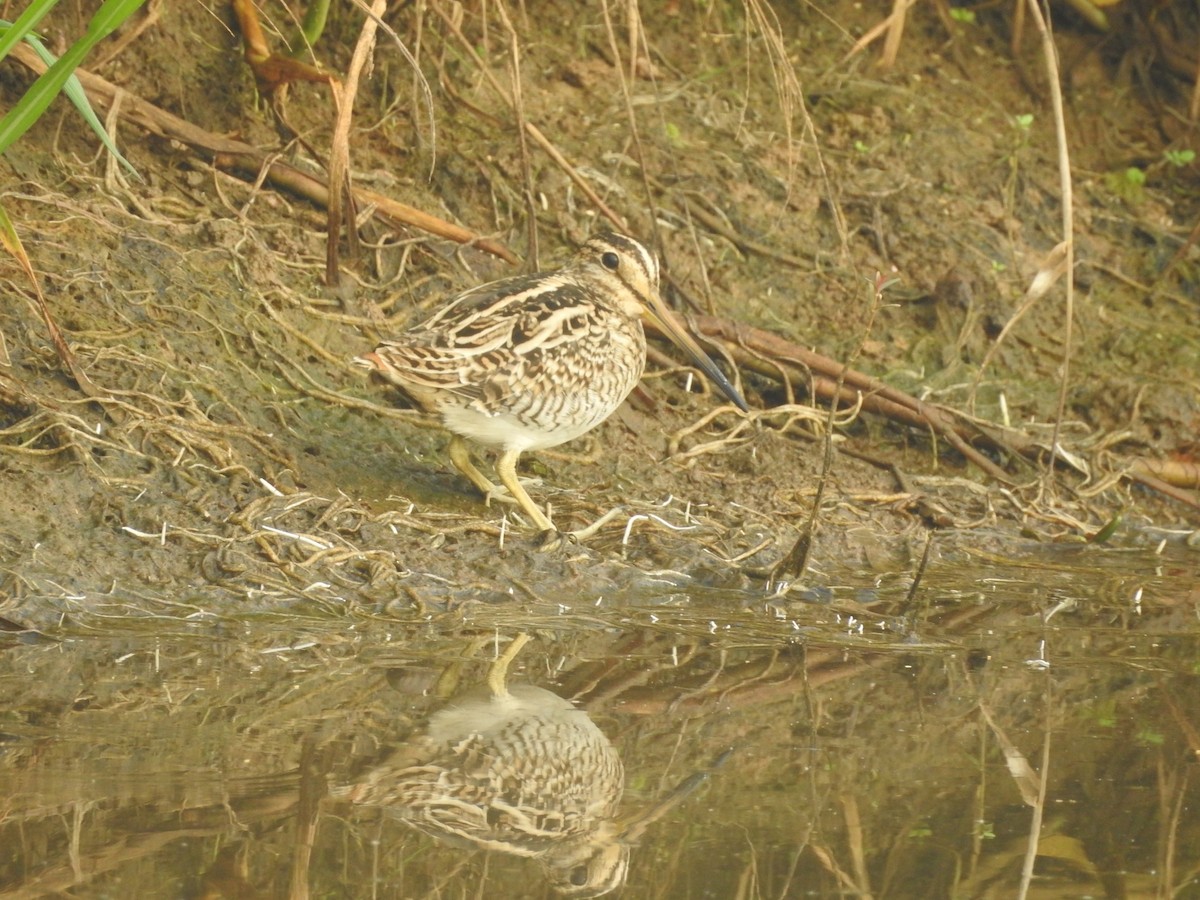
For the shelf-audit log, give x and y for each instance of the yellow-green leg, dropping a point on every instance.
(497, 678)
(461, 457)
(506, 468)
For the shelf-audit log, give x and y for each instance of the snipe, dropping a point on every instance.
(533, 361)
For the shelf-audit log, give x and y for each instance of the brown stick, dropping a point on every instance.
(750, 346)
(247, 158)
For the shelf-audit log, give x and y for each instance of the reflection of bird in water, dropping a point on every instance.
(522, 771)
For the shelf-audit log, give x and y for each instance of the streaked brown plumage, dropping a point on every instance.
(519, 770)
(533, 361)
(515, 770)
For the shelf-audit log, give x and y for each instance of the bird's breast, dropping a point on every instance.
(549, 394)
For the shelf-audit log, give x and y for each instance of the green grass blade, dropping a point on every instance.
(78, 96)
(8, 233)
(46, 88)
(25, 23)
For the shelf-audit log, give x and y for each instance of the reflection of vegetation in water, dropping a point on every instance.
(896, 753)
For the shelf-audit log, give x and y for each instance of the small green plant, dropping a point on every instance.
(963, 15)
(1150, 737)
(1022, 130)
(1128, 184)
(1179, 158)
(862, 147)
(1102, 713)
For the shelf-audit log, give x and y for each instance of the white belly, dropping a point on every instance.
(534, 428)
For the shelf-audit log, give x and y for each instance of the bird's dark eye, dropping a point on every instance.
(610, 261)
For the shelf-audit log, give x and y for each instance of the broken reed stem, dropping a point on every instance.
(532, 130)
(1041, 21)
(1039, 807)
(340, 190)
(793, 565)
(518, 109)
(623, 78)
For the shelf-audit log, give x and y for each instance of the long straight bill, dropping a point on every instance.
(666, 321)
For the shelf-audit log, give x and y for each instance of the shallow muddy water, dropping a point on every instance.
(843, 739)
(270, 618)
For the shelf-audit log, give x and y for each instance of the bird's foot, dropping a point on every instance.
(501, 494)
(552, 539)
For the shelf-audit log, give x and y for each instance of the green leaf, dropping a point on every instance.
(8, 234)
(30, 108)
(78, 97)
(1109, 529)
(26, 22)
